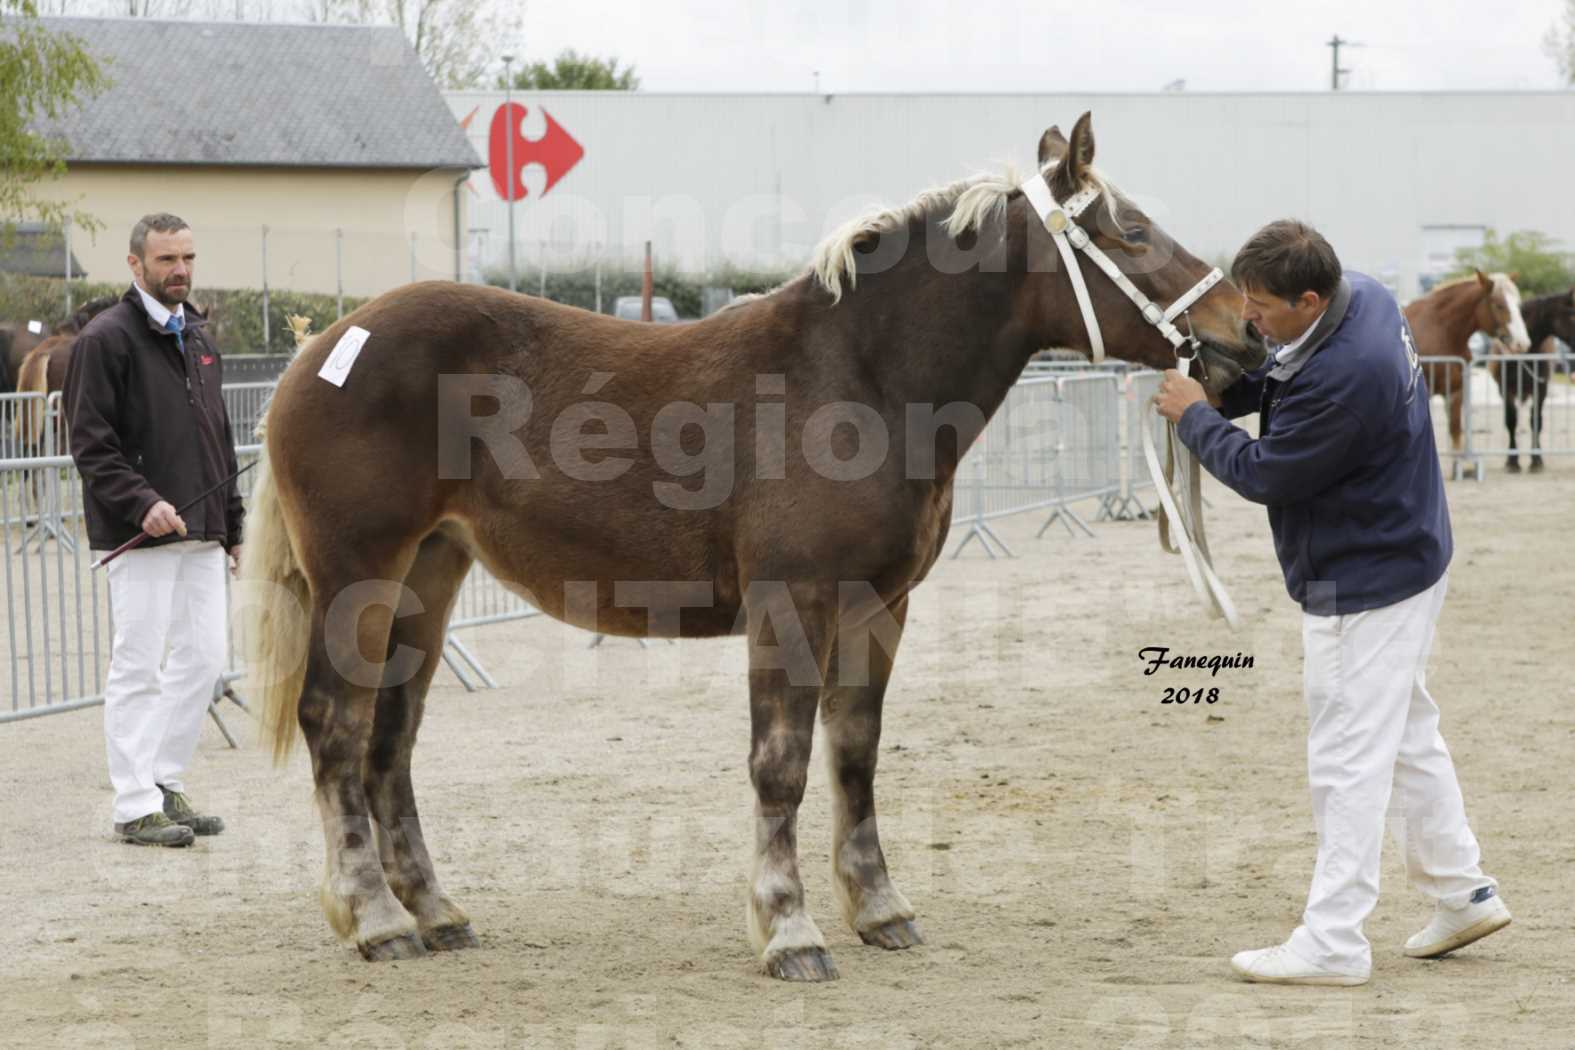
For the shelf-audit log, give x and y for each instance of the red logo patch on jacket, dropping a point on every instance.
(207, 359)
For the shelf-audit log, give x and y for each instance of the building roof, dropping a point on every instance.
(258, 94)
(34, 249)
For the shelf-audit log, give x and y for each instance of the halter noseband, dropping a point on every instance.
(1059, 220)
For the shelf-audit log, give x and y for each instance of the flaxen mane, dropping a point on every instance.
(973, 201)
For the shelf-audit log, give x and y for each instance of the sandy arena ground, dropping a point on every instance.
(1084, 860)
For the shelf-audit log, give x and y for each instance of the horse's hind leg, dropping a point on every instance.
(850, 712)
(352, 612)
(785, 675)
(434, 579)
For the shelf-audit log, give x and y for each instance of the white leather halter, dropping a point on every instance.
(1060, 220)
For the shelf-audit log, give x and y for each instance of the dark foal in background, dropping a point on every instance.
(805, 533)
(1546, 316)
(16, 342)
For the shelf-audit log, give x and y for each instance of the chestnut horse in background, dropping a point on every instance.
(43, 371)
(792, 521)
(1546, 316)
(1441, 325)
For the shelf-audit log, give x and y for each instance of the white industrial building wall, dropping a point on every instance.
(757, 180)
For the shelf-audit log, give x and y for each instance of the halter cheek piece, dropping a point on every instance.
(1060, 220)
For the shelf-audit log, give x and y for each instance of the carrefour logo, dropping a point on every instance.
(556, 151)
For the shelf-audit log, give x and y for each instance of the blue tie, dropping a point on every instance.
(175, 324)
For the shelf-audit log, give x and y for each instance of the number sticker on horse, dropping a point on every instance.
(337, 368)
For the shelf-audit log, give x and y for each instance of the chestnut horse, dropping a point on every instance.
(1546, 316)
(43, 371)
(805, 532)
(1441, 325)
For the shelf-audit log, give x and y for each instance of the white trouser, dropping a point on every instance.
(1371, 726)
(170, 599)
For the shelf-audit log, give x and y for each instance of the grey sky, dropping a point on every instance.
(1092, 45)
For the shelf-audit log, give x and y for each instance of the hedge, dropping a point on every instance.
(234, 314)
(578, 288)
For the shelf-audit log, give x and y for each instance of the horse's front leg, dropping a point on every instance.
(1454, 401)
(789, 635)
(850, 712)
(1511, 423)
(1538, 395)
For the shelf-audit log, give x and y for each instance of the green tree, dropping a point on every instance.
(572, 71)
(1532, 256)
(45, 73)
(1559, 43)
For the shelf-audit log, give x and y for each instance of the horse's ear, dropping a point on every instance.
(1080, 151)
(1484, 280)
(1514, 277)
(1052, 145)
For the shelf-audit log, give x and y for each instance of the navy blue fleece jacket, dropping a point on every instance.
(1345, 460)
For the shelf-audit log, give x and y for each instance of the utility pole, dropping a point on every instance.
(1335, 43)
(508, 149)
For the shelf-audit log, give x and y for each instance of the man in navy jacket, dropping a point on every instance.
(1346, 464)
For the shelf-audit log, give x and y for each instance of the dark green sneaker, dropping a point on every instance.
(155, 829)
(178, 808)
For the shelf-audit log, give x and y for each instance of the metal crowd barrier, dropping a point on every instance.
(482, 600)
(1137, 389)
(1500, 382)
(20, 417)
(34, 425)
(245, 403)
(58, 626)
(1061, 437)
(1054, 441)
(57, 631)
(1450, 378)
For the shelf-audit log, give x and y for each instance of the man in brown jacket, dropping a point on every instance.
(149, 432)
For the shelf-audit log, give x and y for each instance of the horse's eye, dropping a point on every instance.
(1136, 235)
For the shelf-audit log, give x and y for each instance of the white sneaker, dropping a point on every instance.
(1453, 928)
(1280, 965)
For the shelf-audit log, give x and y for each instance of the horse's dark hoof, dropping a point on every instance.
(899, 933)
(1513, 466)
(805, 964)
(450, 938)
(405, 946)
(1536, 466)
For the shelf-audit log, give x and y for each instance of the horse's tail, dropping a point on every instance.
(276, 617)
(32, 378)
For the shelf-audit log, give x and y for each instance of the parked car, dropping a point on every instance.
(662, 312)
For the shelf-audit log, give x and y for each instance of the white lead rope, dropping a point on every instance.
(1190, 537)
